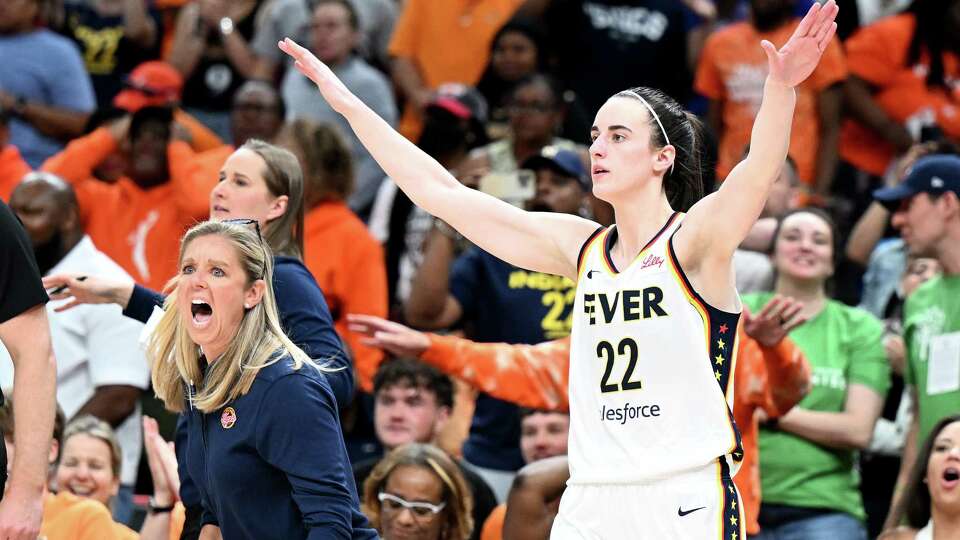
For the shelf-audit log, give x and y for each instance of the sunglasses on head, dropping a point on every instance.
(248, 222)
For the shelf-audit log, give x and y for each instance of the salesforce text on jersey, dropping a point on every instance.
(628, 412)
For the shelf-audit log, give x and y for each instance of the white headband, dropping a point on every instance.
(654, 115)
(652, 112)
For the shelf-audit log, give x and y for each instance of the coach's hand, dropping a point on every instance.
(80, 290)
(392, 337)
(774, 321)
(20, 515)
(799, 56)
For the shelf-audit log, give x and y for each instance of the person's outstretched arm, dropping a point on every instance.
(545, 242)
(742, 195)
(532, 376)
(25, 333)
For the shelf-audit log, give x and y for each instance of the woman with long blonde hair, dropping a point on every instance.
(264, 443)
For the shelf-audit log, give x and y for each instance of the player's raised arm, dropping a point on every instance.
(742, 195)
(545, 242)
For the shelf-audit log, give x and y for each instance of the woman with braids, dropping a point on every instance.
(655, 306)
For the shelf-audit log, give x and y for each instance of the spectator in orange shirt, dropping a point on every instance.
(441, 42)
(158, 84)
(139, 219)
(731, 72)
(902, 85)
(12, 166)
(771, 376)
(343, 257)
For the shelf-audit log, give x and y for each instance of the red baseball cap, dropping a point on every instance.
(151, 84)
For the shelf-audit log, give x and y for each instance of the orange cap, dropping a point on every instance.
(151, 84)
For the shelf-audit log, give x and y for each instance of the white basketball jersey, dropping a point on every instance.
(651, 369)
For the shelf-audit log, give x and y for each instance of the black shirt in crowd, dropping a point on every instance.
(605, 46)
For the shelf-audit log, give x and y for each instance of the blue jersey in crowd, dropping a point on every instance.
(503, 303)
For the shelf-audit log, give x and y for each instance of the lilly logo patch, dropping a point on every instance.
(228, 418)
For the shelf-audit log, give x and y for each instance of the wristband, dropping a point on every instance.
(154, 508)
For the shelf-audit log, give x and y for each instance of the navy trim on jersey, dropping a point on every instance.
(612, 238)
(721, 345)
(586, 244)
(731, 513)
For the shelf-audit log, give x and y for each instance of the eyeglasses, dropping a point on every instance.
(392, 503)
(256, 227)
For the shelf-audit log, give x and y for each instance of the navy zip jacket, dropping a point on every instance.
(272, 464)
(304, 316)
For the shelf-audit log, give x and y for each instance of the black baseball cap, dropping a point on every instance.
(934, 174)
(565, 162)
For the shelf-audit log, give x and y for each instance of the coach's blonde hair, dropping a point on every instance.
(259, 341)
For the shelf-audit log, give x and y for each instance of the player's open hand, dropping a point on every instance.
(774, 321)
(797, 59)
(392, 337)
(330, 86)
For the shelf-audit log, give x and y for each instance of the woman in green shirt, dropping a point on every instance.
(807, 457)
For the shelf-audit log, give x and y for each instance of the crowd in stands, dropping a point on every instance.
(123, 123)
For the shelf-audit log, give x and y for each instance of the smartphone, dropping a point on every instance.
(515, 188)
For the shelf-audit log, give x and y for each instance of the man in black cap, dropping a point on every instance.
(927, 213)
(24, 331)
(562, 182)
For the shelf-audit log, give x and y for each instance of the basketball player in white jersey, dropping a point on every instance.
(652, 441)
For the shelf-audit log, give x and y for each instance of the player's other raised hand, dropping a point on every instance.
(799, 56)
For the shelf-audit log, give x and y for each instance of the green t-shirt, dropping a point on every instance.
(931, 317)
(843, 346)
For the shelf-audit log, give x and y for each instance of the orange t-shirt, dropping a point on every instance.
(12, 170)
(139, 229)
(493, 526)
(348, 264)
(732, 70)
(878, 54)
(68, 517)
(448, 41)
(536, 376)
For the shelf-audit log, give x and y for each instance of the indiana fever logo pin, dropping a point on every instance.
(228, 418)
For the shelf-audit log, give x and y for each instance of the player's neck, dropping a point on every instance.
(637, 223)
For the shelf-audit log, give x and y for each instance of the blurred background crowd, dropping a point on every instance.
(116, 117)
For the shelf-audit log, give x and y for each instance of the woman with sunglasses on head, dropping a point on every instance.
(264, 444)
(263, 184)
(417, 492)
(659, 461)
